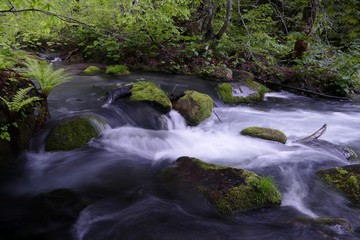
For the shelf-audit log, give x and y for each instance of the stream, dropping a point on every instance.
(116, 174)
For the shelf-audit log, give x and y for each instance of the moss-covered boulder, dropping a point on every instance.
(146, 91)
(227, 189)
(117, 70)
(265, 133)
(91, 70)
(216, 73)
(194, 107)
(235, 93)
(72, 133)
(346, 179)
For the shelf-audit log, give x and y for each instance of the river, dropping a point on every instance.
(116, 173)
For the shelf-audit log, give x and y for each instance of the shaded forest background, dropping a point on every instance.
(310, 44)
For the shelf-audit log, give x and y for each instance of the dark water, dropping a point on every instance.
(115, 193)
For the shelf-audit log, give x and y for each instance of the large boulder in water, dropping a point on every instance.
(235, 93)
(146, 91)
(227, 189)
(346, 179)
(72, 133)
(194, 107)
(265, 133)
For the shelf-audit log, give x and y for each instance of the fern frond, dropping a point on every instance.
(20, 100)
(45, 75)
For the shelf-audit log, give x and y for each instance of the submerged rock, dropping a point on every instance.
(345, 179)
(227, 189)
(235, 93)
(265, 133)
(216, 73)
(70, 134)
(194, 107)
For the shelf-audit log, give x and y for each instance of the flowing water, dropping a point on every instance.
(116, 173)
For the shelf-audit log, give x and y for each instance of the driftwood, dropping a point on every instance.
(313, 136)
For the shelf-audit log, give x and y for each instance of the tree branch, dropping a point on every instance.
(13, 10)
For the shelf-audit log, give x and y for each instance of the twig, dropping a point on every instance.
(217, 115)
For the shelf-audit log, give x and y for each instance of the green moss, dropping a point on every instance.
(258, 192)
(117, 70)
(346, 179)
(265, 133)
(194, 107)
(71, 134)
(92, 70)
(227, 189)
(225, 91)
(150, 92)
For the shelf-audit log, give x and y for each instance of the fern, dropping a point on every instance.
(45, 75)
(20, 100)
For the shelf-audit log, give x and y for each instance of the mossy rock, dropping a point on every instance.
(194, 107)
(216, 73)
(71, 134)
(146, 91)
(92, 70)
(118, 70)
(345, 179)
(265, 133)
(227, 189)
(253, 92)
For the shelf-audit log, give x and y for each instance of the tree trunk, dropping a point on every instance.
(309, 17)
(226, 21)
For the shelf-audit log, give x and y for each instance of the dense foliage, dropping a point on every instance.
(318, 40)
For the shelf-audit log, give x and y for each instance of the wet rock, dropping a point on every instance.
(216, 73)
(70, 134)
(117, 70)
(265, 133)
(120, 92)
(329, 226)
(57, 205)
(146, 91)
(235, 93)
(92, 70)
(346, 179)
(54, 213)
(227, 189)
(194, 107)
